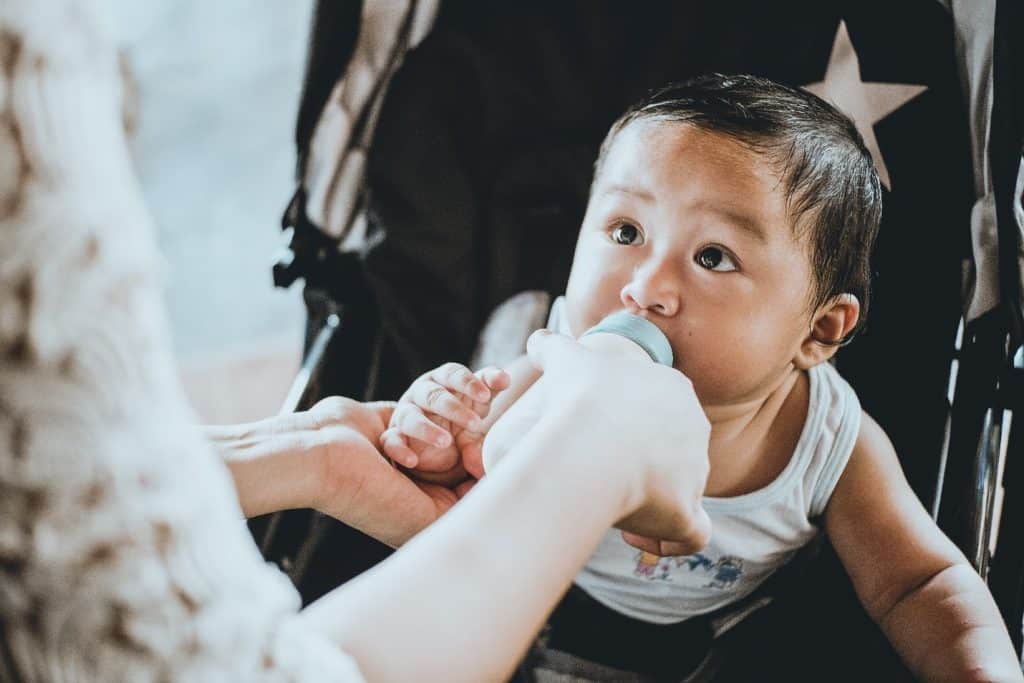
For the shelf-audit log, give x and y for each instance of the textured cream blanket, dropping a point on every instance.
(123, 555)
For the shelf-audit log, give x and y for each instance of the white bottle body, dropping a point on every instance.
(522, 415)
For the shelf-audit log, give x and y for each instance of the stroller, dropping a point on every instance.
(445, 153)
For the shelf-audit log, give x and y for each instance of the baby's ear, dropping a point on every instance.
(832, 322)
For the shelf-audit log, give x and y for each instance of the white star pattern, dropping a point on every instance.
(866, 103)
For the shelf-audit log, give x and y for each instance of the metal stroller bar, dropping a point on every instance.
(298, 395)
(968, 481)
(987, 467)
(1006, 147)
(1006, 575)
(984, 458)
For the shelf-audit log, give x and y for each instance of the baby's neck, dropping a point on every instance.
(751, 439)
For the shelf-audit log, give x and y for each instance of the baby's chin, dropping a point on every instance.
(705, 384)
(692, 373)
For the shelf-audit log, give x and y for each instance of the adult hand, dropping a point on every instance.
(326, 458)
(360, 486)
(664, 429)
(657, 546)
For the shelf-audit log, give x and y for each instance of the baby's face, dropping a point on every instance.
(691, 230)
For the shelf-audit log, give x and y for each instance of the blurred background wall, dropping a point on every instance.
(218, 85)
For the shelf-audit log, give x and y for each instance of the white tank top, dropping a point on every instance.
(752, 535)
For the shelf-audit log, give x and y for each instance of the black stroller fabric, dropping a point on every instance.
(478, 177)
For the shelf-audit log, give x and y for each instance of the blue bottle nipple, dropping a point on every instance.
(640, 331)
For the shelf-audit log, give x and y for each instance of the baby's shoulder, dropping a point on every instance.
(872, 441)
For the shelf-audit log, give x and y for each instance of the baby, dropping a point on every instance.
(738, 216)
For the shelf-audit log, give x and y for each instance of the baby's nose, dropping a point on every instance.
(652, 293)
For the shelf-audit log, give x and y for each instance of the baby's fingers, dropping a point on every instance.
(496, 379)
(396, 447)
(461, 379)
(439, 400)
(410, 421)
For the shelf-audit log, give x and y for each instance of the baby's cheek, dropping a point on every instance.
(582, 315)
(717, 368)
(593, 293)
(574, 315)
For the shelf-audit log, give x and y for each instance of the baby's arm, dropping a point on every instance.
(931, 604)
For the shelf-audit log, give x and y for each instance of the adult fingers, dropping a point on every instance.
(659, 547)
(465, 487)
(697, 535)
(651, 545)
(473, 458)
(547, 349)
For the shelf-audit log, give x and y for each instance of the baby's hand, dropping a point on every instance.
(438, 423)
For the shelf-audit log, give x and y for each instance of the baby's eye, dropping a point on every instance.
(714, 258)
(626, 234)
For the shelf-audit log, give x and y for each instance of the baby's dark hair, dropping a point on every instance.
(832, 189)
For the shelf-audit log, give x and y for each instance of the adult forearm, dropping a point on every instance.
(949, 629)
(462, 600)
(272, 470)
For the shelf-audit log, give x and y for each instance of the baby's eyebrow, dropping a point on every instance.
(628, 189)
(738, 220)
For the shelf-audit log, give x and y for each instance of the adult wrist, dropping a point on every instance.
(273, 469)
(596, 452)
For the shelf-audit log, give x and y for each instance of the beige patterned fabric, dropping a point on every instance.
(123, 555)
(338, 151)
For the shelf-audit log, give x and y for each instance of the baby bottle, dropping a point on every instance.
(619, 333)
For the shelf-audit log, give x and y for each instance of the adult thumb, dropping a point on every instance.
(547, 349)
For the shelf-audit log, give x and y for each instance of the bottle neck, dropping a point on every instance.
(614, 343)
(637, 330)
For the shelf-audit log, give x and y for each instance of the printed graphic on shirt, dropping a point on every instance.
(727, 571)
(722, 573)
(696, 561)
(652, 566)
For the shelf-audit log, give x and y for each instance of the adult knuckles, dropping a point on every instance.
(333, 407)
(693, 535)
(701, 534)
